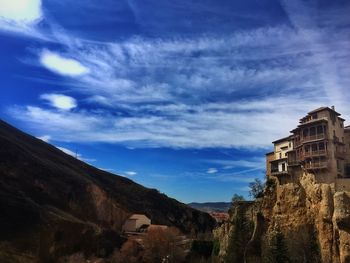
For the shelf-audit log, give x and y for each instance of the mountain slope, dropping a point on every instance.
(52, 204)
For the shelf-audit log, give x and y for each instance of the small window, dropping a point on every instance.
(312, 131)
(305, 132)
(280, 155)
(321, 146)
(314, 116)
(307, 148)
(283, 167)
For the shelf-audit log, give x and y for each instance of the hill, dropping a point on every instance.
(211, 206)
(52, 204)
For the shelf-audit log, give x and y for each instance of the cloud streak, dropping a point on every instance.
(243, 89)
(60, 101)
(62, 65)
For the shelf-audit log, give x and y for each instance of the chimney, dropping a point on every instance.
(333, 108)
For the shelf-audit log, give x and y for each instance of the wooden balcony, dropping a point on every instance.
(315, 153)
(293, 163)
(279, 173)
(316, 165)
(311, 138)
(312, 121)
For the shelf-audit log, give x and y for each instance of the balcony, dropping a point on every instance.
(315, 137)
(315, 153)
(293, 163)
(316, 165)
(305, 122)
(278, 173)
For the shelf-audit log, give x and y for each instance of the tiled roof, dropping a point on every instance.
(137, 216)
(321, 109)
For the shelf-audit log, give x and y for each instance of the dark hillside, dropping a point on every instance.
(53, 204)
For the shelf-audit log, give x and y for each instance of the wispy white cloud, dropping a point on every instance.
(62, 65)
(45, 138)
(212, 171)
(60, 101)
(69, 152)
(20, 10)
(240, 90)
(131, 173)
(21, 16)
(258, 163)
(197, 126)
(76, 154)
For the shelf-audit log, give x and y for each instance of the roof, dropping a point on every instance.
(137, 216)
(269, 153)
(323, 108)
(283, 139)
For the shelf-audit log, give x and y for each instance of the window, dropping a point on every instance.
(305, 132)
(283, 167)
(312, 131)
(280, 155)
(307, 148)
(314, 116)
(321, 146)
(319, 129)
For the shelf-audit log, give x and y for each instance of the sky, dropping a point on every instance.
(182, 96)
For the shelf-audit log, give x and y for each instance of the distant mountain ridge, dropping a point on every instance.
(211, 206)
(52, 204)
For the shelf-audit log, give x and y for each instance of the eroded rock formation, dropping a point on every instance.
(313, 217)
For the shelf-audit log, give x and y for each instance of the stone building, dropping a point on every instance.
(319, 145)
(135, 222)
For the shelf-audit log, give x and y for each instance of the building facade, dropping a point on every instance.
(320, 145)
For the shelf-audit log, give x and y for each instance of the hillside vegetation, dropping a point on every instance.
(53, 204)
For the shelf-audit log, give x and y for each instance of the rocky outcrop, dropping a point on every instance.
(314, 219)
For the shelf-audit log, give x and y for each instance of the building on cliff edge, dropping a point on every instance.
(319, 145)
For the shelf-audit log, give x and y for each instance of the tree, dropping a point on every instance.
(161, 244)
(278, 251)
(130, 252)
(239, 237)
(256, 188)
(313, 247)
(236, 198)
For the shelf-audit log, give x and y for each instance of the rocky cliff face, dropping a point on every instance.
(53, 205)
(314, 219)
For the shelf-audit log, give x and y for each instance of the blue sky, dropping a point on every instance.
(182, 96)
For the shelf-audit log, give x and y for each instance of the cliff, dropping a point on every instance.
(52, 204)
(313, 219)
